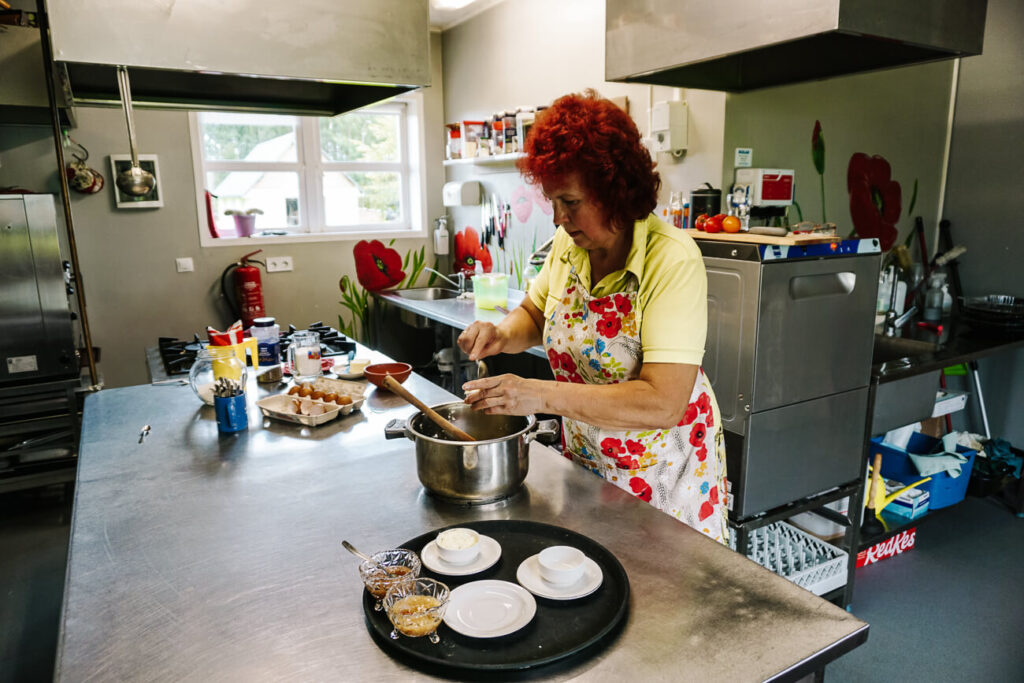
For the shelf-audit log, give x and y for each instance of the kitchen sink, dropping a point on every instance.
(889, 349)
(427, 293)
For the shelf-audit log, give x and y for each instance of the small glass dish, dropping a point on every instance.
(416, 608)
(387, 568)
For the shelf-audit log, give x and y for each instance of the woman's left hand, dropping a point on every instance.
(505, 395)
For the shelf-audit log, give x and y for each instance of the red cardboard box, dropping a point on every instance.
(890, 547)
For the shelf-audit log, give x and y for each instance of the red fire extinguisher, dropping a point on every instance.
(247, 291)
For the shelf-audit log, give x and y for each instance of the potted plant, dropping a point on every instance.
(245, 221)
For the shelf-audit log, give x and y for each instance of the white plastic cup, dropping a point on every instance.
(561, 565)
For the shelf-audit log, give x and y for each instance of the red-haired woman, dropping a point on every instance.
(621, 308)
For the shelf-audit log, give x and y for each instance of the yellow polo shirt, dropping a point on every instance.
(672, 292)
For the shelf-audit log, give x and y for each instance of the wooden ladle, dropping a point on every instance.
(392, 385)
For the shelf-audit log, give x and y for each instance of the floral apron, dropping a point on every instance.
(681, 470)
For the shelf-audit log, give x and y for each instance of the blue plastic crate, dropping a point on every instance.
(896, 464)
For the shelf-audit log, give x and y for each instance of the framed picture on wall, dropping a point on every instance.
(148, 162)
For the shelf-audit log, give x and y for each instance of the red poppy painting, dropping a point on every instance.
(377, 267)
(875, 198)
(641, 489)
(689, 416)
(609, 325)
(613, 448)
(469, 251)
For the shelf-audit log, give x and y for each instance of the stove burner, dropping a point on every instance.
(178, 355)
(332, 342)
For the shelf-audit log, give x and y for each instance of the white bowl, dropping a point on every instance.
(561, 565)
(458, 546)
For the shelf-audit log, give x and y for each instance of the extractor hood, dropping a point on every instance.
(308, 57)
(739, 45)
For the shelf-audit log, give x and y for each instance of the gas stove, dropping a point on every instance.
(179, 355)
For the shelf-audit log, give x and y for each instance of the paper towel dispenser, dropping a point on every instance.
(461, 193)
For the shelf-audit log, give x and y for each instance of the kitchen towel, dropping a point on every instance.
(934, 463)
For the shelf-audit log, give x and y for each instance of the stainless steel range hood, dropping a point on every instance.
(311, 57)
(739, 45)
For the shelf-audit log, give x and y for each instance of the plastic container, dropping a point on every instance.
(818, 525)
(490, 290)
(797, 556)
(944, 489)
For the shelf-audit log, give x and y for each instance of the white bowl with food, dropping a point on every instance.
(458, 546)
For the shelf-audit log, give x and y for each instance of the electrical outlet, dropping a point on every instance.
(277, 264)
(184, 265)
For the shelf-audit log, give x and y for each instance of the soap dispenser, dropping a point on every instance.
(933, 298)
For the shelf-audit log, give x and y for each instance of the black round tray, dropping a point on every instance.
(560, 629)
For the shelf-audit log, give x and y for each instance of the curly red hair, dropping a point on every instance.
(591, 136)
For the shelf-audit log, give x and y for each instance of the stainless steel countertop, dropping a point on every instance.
(457, 313)
(199, 556)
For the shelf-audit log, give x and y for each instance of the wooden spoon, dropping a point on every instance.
(392, 385)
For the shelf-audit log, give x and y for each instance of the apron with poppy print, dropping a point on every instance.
(680, 470)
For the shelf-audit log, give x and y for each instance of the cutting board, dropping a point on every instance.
(747, 238)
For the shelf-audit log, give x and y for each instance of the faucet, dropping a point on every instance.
(892, 322)
(460, 284)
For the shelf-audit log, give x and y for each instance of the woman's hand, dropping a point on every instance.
(505, 395)
(481, 340)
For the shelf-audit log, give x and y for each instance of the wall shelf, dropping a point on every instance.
(497, 160)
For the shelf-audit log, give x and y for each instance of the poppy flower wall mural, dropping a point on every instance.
(876, 198)
(378, 267)
(469, 251)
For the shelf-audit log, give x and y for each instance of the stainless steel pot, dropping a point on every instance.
(472, 472)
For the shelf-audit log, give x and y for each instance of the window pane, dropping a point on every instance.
(275, 194)
(229, 136)
(361, 198)
(360, 136)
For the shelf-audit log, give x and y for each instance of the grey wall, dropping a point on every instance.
(984, 201)
(127, 257)
(901, 114)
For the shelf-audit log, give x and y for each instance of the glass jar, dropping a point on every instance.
(212, 364)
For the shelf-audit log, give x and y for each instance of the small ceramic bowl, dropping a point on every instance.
(458, 546)
(561, 565)
(377, 372)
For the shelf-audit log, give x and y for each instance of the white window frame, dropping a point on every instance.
(311, 207)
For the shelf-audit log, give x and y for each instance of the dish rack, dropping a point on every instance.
(803, 559)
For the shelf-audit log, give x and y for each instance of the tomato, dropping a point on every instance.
(701, 221)
(731, 224)
(714, 224)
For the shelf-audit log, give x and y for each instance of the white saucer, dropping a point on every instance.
(339, 369)
(490, 551)
(341, 374)
(488, 609)
(529, 576)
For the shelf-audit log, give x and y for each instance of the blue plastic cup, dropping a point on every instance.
(231, 413)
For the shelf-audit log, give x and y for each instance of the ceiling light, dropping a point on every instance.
(450, 4)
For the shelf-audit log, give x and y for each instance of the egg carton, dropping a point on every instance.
(798, 556)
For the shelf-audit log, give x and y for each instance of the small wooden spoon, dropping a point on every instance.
(392, 385)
